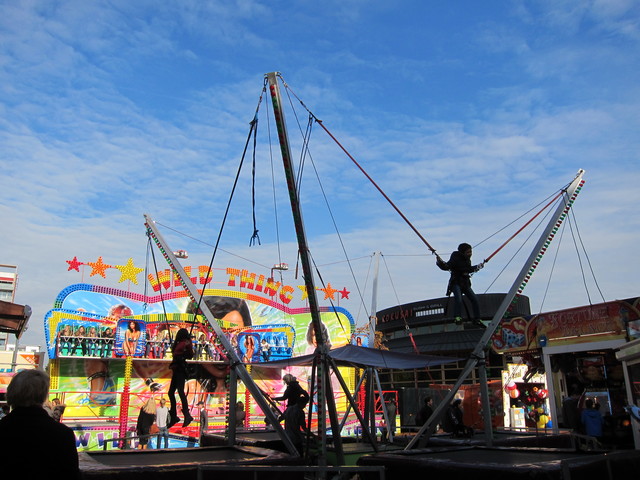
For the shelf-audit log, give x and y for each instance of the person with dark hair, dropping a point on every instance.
(591, 419)
(459, 265)
(570, 410)
(454, 421)
(182, 350)
(29, 424)
(425, 412)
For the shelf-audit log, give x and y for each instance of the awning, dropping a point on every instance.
(362, 357)
(13, 317)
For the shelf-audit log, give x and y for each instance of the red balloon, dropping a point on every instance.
(511, 385)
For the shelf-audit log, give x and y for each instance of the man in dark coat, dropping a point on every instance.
(33, 444)
(425, 412)
(459, 265)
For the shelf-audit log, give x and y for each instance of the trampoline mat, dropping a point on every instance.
(173, 457)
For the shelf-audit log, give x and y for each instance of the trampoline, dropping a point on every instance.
(176, 464)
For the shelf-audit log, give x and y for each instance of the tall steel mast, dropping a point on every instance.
(324, 389)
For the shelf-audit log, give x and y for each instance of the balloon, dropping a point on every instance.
(535, 389)
(543, 393)
(515, 393)
(511, 385)
(542, 421)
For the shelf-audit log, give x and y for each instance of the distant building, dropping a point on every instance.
(8, 283)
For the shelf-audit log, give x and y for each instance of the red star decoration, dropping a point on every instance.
(74, 264)
(329, 292)
(344, 293)
(98, 268)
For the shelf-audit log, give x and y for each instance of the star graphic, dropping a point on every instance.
(305, 294)
(329, 292)
(344, 293)
(98, 268)
(74, 264)
(129, 271)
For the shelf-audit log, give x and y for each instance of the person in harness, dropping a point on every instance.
(459, 265)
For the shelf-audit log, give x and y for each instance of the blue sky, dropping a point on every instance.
(467, 114)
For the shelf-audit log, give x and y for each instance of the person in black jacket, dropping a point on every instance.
(146, 418)
(293, 416)
(459, 265)
(33, 444)
(182, 351)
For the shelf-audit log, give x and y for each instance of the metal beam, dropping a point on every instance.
(530, 265)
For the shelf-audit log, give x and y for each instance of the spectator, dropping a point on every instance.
(592, 421)
(240, 415)
(29, 424)
(455, 417)
(162, 420)
(204, 418)
(570, 411)
(146, 417)
(425, 412)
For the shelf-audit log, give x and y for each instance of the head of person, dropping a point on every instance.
(428, 400)
(465, 249)
(456, 402)
(588, 403)
(162, 402)
(183, 334)
(288, 378)
(150, 405)
(29, 388)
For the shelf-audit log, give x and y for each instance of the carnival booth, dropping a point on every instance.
(569, 353)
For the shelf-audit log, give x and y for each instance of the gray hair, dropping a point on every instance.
(28, 388)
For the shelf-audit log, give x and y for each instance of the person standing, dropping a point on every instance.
(28, 425)
(392, 410)
(459, 265)
(570, 411)
(425, 412)
(182, 350)
(146, 417)
(455, 417)
(162, 420)
(240, 414)
(592, 420)
(204, 418)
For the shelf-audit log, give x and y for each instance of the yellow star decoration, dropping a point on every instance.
(129, 271)
(329, 292)
(98, 268)
(305, 294)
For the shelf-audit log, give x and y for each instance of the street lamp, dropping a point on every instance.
(279, 266)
